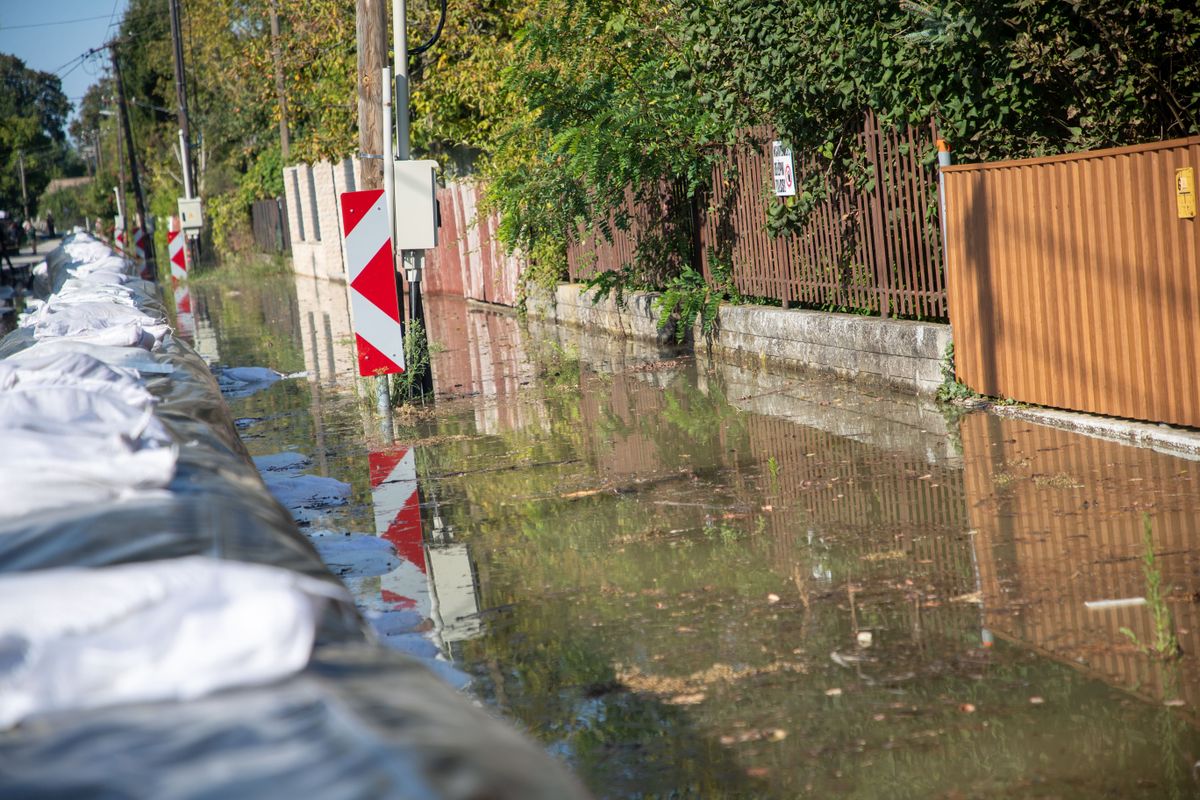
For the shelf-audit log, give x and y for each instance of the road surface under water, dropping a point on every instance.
(691, 579)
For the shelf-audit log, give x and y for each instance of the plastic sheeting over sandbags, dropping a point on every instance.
(354, 721)
(161, 630)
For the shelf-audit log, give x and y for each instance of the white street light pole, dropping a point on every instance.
(400, 49)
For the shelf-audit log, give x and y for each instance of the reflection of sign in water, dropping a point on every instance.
(177, 254)
(184, 320)
(398, 519)
(783, 171)
(437, 581)
(374, 303)
(455, 593)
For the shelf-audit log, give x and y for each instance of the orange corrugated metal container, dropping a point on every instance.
(1073, 282)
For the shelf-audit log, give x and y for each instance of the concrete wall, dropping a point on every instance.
(570, 305)
(896, 354)
(314, 214)
(885, 352)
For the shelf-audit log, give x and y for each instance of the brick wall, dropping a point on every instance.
(314, 214)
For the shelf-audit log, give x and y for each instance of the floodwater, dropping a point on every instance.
(691, 579)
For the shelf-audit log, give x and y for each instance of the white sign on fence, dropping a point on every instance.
(784, 172)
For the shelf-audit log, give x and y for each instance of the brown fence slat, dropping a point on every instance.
(877, 251)
(268, 224)
(1075, 281)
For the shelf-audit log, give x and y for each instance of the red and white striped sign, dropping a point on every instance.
(185, 323)
(374, 304)
(139, 244)
(177, 253)
(119, 235)
(398, 519)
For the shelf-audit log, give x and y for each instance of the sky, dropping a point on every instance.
(43, 35)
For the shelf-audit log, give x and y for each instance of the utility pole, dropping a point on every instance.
(181, 100)
(24, 196)
(138, 194)
(277, 57)
(371, 34)
(371, 30)
(99, 151)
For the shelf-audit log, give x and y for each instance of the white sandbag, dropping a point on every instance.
(76, 432)
(123, 357)
(73, 639)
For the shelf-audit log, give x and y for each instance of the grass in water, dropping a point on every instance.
(1165, 644)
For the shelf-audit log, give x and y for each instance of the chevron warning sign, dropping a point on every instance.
(398, 519)
(374, 304)
(177, 253)
(139, 244)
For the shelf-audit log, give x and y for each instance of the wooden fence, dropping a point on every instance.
(1074, 283)
(469, 260)
(269, 221)
(876, 248)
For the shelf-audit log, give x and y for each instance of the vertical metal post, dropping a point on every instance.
(185, 158)
(24, 196)
(414, 260)
(943, 161)
(400, 53)
(389, 164)
(120, 189)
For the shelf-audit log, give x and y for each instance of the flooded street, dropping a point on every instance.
(690, 579)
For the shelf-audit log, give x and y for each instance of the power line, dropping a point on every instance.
(78, 64)
(48, 24)
(57, 70)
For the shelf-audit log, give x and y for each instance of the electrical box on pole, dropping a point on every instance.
(191, 218)
(416, 205)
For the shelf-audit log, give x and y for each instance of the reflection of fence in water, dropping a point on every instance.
(878, 503)
(1059, 520)
(476, 351)
(615, 442)
(886, 515)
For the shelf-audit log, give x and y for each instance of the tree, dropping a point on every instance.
(33, 112)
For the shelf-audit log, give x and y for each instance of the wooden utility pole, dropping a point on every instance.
(138, 195)
(181, 108)
(277, 57)
(371, 30)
